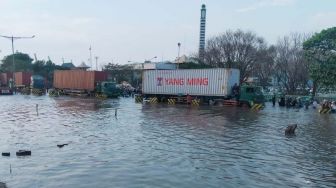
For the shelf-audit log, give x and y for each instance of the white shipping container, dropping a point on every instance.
(199, 82)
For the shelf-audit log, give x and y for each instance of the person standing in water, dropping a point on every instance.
(273, 100)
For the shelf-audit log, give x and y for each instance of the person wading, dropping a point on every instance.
(273, 100)
(189, 99)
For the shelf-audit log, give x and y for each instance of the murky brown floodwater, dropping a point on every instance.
(162, 146)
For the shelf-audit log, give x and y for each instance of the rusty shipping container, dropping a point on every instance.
(78, 79)
(198, 82)
(5, 77)
(22, 78)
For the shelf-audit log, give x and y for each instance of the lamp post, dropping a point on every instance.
(96, 62)
(149, 60)
(12, 38)
(178, 54)
(90, 57)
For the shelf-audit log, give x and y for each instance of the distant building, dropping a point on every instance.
(82, 66)
(68, 65)
(148, 65)
(202, 33)
(136, 66)
(185, 59)
(182, 59)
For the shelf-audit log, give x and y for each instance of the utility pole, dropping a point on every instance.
(96, 62)
(12, 38)
(90, 57)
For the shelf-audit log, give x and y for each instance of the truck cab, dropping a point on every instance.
(250, 94)
(108, 89)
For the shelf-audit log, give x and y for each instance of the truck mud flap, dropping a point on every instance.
(196, 102)
(153, 100)
(257, 107)
(138, 99)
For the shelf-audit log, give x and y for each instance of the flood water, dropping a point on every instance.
(161, 145)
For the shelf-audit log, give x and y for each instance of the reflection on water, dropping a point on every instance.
(162, 146)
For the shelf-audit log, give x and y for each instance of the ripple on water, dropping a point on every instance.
(162, 146)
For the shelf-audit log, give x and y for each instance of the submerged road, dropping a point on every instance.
(161, 145)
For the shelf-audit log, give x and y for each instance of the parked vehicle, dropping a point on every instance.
(81, 82)
(206, 85)
(37, 82)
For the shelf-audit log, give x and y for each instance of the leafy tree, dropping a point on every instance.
(38, 67)
(123, 73)
(320, 51)
(22, 63)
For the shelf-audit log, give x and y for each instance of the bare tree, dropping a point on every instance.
(291, 68)
(264, 68)
(234, 49)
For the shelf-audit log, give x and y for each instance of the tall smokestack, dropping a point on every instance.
(202, 33)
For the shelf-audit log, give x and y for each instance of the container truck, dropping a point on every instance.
(205, 85)
(27, 83)
(37, 82)
(82, 82)
(37, 85)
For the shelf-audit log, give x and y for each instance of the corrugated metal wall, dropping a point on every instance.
(200, 82)
(5, 77)
(22, 78)
(78, 79)
(100, 76)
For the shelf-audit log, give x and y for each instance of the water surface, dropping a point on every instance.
(161, 145)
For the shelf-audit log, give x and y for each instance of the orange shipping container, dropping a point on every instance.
(78, 79)
(22, 78)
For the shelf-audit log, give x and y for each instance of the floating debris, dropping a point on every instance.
(2, 185)
(6, 154)
(23, 153)
(290, 130)
(61, 145)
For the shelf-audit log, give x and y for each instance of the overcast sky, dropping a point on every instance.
(136, 30)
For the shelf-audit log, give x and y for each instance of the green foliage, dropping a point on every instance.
(321, 43)
(22, 63)
(320, 51)
(124, 73)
